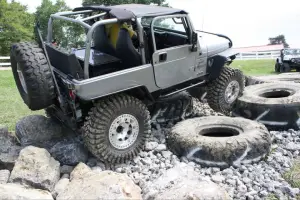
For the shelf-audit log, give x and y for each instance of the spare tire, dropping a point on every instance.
(32, 75)
(277, 105)
(220, 141)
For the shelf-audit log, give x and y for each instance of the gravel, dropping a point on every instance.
(256, 181)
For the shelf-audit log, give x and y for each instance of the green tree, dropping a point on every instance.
(116, 2)
(280, 39)
(66, 33)
(43, 13)
(16, 25)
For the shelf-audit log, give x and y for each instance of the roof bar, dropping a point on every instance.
(72, 13)
(92, 17)
(71, 20)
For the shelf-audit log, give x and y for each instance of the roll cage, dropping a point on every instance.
(119, 15)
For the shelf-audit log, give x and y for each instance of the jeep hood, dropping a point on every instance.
(215, 45)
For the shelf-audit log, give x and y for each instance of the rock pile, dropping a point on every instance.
(29, 169)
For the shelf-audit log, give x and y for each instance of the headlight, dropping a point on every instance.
(293, 60)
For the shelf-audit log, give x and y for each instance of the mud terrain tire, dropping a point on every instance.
(172, 109)
(275, 105)
(285, 68)
(32, 75)
(218, 89)
(220, 141)
(277, 67)
(117, 128)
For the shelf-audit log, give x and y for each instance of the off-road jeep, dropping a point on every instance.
(108, 93)
(289, 59)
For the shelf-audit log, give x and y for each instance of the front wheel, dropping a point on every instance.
(285, 68)
(117, 128)
(224, 91)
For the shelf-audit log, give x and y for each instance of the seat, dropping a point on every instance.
(126, 51)
(101, 41)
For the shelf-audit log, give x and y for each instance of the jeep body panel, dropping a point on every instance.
(97, 87)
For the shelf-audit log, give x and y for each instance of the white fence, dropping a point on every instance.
(258, 55)
(6, 63)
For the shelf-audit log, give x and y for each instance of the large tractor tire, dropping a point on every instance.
(117, 128)
(224, 91)
(32, 75)
(220, 141)
(276, 105)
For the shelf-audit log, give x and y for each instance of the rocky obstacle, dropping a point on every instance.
(88, 184)
(36, 168)
(9, 149)
(43, 132)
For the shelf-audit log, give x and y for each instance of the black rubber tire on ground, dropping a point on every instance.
(277, 67)
(250, 80)
(220, 141)
(285, 67)
(96, 128)
(275, 105)
(216, 90)
(30, 61)
(172, 109)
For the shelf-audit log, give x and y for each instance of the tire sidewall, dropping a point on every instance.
(15, 60)
(131, 110)
(223, 101)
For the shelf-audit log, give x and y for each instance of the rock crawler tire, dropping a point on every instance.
(32, 75)
(220, 141)
(277, 105)
(217, 90)
(96, 129)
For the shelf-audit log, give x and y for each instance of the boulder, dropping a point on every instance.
(39, 131)
(9, 149)
(36, 168)
(70, 151)
(43, 132)
(4, 176)
(86, 184)
(183, 182)
(60, 186)
(17, 192)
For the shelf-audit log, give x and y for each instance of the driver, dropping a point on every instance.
(112, 31)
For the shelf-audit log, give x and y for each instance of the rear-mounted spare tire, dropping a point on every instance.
(276, 105)
(32, 75)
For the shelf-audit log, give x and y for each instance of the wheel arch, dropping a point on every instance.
(215, 66)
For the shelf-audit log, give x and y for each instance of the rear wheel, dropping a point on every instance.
(117, 128)
(277, 67)
(32, 75)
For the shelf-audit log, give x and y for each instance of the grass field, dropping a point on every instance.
(255, 67)
(12, 107)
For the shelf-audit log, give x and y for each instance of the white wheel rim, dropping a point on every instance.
(123, 132)
(232, 91)
(21, 78)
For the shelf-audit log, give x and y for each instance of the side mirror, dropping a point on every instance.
(194, 41)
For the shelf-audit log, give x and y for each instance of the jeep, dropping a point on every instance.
(289, 60)
(106, 93)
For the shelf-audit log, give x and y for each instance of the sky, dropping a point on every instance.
(246, 22)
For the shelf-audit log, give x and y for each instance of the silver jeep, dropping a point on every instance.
(105, 92)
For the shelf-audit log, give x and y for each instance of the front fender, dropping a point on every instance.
(215, 65)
